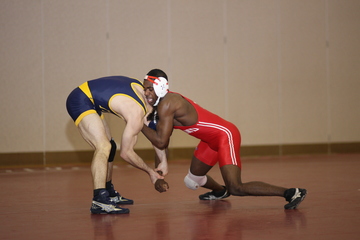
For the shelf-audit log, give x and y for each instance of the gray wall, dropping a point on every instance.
(284, 71)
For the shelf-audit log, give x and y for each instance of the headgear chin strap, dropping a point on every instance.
(160, 85)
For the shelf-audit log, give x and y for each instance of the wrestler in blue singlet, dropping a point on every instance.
(94, 96)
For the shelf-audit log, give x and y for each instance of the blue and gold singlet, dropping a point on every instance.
(94, 96)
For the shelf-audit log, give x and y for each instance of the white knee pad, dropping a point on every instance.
(194, 182)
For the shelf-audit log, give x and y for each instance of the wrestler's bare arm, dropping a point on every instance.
(161, 156)
(128, 141)
(161, 137)
(162, 164)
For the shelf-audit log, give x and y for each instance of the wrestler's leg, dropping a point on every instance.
(199, 168)
(232, 178)
(203, 160)
(115, 196)
(110, 164)
(93, 131)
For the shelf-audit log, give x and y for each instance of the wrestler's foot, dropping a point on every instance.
(115, 197)
(118, 199)
(101, 204)
(215, 195)
(294, 196)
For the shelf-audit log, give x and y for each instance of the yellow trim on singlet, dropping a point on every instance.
(81, 116)
(133, 88)
(85, 88)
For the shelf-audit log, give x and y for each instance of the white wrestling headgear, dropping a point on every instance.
(160, 85)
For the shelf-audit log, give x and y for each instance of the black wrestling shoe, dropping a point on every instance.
(101, 204)
(295, 199)
(215, 195)
(115, 197)
(121, 200)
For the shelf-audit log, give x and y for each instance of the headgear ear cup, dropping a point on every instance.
(161, 87)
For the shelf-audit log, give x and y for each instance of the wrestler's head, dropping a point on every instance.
(155, 86)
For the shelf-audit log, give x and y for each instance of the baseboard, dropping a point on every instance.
(84, 157)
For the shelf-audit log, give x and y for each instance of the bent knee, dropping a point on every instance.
(103, 147)
(194, 182)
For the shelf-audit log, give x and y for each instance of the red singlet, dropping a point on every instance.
(220, 139)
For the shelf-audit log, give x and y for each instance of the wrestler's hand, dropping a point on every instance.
(161, 185)
(154, 176)
(162, 168)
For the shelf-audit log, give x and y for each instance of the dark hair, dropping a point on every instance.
(157, 73)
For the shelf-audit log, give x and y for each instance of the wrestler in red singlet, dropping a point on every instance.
(220, 142)
(220, 139)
